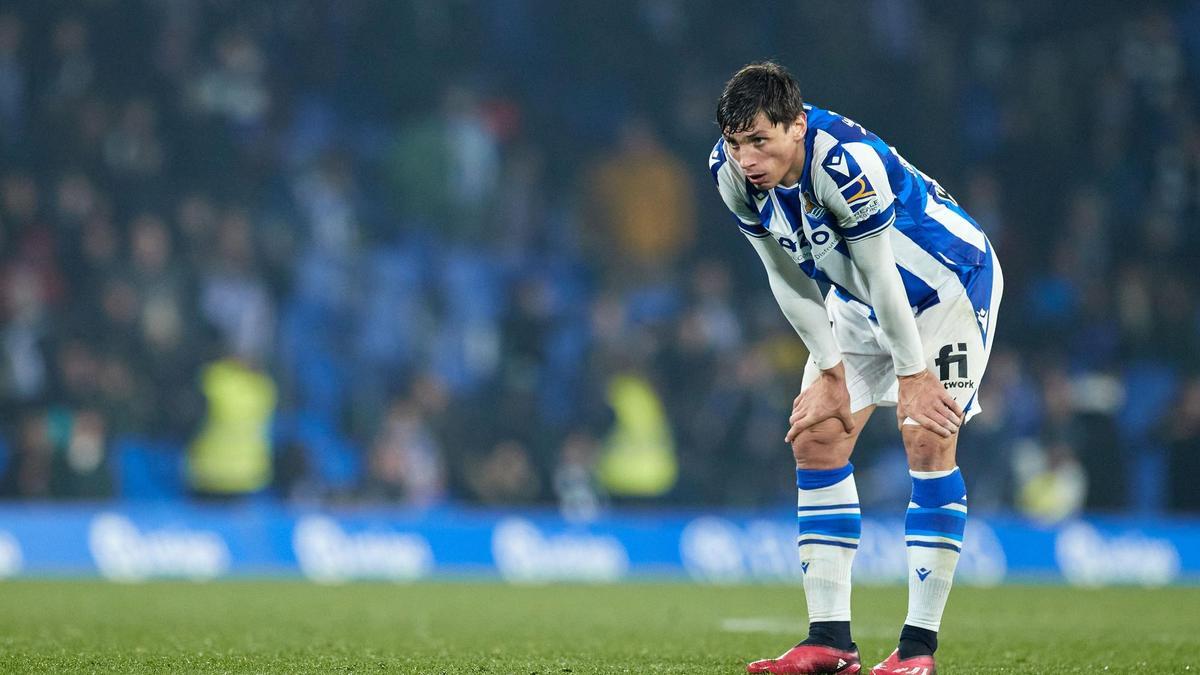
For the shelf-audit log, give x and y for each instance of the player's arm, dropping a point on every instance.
(799, 299)
(853, 184)
(873, 257)
(801, 302)
(798, 296)
(923, 399)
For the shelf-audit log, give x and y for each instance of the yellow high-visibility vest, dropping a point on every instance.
(638, 459)
(232, 453)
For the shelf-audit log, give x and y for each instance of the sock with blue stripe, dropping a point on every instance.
(933, 531)
(830, 527)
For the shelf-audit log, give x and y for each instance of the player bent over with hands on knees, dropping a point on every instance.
(914, 291)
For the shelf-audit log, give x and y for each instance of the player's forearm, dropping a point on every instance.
(897, 323)
(800, 300)
(873, 257)
(808, 316)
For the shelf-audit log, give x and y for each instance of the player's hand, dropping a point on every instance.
(824, 399)
(925, 401)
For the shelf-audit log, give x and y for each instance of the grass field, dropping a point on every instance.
(294, 627)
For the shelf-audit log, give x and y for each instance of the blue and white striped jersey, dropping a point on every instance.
(855, 186)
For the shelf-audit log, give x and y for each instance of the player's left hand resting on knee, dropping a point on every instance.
(825, 398)
(925, 401)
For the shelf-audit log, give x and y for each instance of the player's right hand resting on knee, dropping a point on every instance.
(925, 401)
(825, 398)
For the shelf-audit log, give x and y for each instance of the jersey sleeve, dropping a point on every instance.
(731, 184)
(852, 183)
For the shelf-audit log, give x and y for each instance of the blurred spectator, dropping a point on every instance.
(13, 76)
(574, 479)
(638, 457)
(1051, 482)
(80, 454)
(642, 206)
(73, 70)
(30, 470)
(407, 460)
(132, 148)
(1183, 438)
(233, 87)
(231, 455)
(503, 475)
(443, 168)
(233, 297)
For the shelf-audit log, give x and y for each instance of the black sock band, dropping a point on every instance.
(917, 642)
(830, 634)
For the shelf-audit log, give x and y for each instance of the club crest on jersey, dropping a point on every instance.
(811, 209)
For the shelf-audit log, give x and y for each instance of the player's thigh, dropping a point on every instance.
(956, 354)
(827, 445)
(955, 350)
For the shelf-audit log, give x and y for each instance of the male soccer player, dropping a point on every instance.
(908, 321)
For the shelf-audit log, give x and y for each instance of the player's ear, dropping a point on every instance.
(800, 126)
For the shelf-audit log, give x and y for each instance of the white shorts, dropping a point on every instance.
(956, 334)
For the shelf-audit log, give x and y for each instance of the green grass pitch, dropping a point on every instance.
(295, 627)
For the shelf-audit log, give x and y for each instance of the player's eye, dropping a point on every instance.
(758, 141)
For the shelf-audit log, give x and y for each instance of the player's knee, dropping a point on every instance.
(823, 446)
(928, 451)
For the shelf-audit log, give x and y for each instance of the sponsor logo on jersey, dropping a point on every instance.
(853, 184)
(836, 161)
(718, 154)
(823, 241)
(862, 199)
(951, 355)
(865, 209)
(858, 191)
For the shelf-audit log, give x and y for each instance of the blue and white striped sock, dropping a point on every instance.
(830, 527)
(933, 531)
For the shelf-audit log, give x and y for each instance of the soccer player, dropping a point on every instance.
(914, 287)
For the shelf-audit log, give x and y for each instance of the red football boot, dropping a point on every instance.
(810, 660)
(917, 665)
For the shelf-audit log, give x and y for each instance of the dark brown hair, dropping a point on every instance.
(766, 87)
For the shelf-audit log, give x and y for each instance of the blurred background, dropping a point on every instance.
(443, 253)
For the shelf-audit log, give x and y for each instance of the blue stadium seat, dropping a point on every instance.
(335, 462)
(149, 470)
(1149, 389)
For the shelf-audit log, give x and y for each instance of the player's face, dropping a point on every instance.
(770, 154)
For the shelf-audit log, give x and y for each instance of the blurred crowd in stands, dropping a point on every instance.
(426, 252)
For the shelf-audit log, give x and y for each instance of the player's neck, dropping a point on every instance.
(792, 177)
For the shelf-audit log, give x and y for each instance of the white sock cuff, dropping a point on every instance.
(928, 475)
